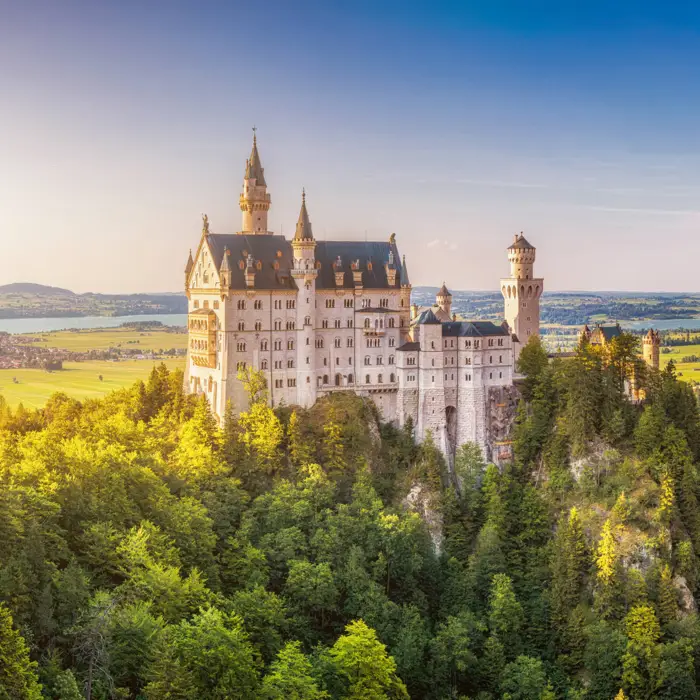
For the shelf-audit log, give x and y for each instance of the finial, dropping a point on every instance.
(255, 136)
(303, 195)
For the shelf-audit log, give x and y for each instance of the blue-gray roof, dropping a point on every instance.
(473, 329)
(427, 316)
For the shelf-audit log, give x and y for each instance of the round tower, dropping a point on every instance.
(651, 345)
(521, 256)
(254, 200)
(444, 300)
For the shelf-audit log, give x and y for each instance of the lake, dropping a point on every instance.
(37, 325)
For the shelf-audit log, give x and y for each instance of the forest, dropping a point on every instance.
(146, 553)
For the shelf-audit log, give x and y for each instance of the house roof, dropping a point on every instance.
(609, 332)
(407, 347)
(521, 243)
(427, 317)
(349, 252)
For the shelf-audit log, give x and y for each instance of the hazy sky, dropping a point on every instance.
(454, 124)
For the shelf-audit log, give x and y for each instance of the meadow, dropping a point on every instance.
(80, 380)
(105, 338)
(687, 371)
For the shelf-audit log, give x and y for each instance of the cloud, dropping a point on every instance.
(639, 210)
(444, 244)
(433, 243)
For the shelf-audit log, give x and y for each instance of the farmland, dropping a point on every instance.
(80, 380)
(104, 338)
(687, 371)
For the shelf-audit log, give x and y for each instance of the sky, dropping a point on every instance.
(452, 124)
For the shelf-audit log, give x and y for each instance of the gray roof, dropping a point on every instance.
(263, 249)
(407, 347)
(426, 316)
(444, 291)
(473, 329)
(609, 332)
(253, 168)
(521, 243)
(190, 264)
(362, 252)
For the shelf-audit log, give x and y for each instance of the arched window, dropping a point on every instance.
(263, 345)
(350, 379)
(338, 380)
(336, 342)
(258, 325)
(241, 325)
(380, 379)
(319, 342)
(367, 323)
(366, 378)
(290, 345)
(392, 323)
(368, 360)
(391, 359)
(325, 379)
(263, 364)
(392, 378)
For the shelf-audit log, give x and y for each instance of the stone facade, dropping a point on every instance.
(323, 316)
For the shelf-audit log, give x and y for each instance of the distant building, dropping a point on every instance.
(323, 316)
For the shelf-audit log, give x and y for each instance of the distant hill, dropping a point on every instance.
(38, 289)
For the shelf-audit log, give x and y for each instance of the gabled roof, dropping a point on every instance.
(253, 168)
(408, 346)
(190, 264)
(521, 243)
(426, 317)
(609, 331)
(473, 329)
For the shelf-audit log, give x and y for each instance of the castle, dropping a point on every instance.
(318, 317)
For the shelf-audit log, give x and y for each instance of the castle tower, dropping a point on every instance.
(521, 292)
(444, 300)
(650, 348)
(254, 200)
(305, 273)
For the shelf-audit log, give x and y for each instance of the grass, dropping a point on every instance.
(104, 338)
(687, 371)
(79, 380)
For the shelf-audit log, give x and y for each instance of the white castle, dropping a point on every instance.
(317, 317)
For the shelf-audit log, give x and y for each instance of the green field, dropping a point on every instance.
(688, 371)
(105, 338)
(79, 380)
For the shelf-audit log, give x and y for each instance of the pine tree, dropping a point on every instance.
(667, 602)
(18, 676)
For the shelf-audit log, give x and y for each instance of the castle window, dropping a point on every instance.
(432, 379)
(500, 342)
(241, 304)
(368, 360)
(206, 278)
(366, 303)
(392, 323)
(257, 304)
(241, 325)
(452, 376)
(467, 343)
(290, 364)
(290, 345)
(369, 266)
(348, 304)
(279, 383)
(196, 304)
(263, 345)
(325, 362)
(392, 378)
(380, 379)
(468, 361)
(216, 305)
(432, 362)
(391, 359)
(263, 364)
(476, 344)
(291, 304)
(307, 321)
(290, 325)
(278, 325)
(330, 303)
(349, 342)
(325, 379)
(319, 343)
(500, 359)
(258, 325)
(467, 377)
(491, 359)
(291, 382)
(350, 379)
(367, 323)
(337, 323)
(278, 364)
(349, 323)
(336, 342)
(490, 375)
(308, 380)
(500, 375)
(445, 377)
(324, 323)
(432, 345)
(392, 342)
(278, 303)
(240, 347)
(240, 366)
(366, 378)
(278, 344)
(380, 360)
(350, 360)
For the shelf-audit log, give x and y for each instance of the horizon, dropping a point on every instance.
(453, 125)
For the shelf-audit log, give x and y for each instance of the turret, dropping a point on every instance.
(188, 269)
(521, 256)
(225, 273)
(304, 245)
(651, 344)
(254, 200)
(444, 300)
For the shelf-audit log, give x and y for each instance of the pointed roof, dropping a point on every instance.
(225, 265)
(427, 317)
(190, 264)
(444, 291)
(253, 168)
(405, 282)
(521, 243)
(303, 232)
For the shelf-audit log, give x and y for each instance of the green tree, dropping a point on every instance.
(291, 677)
(362, 661)
(506, 617)
(524, 679)
(18, 676)
(640, 671)
(207, 658)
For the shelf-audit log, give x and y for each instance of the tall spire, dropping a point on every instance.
(303, 232)
(405, 282)
(253, 167)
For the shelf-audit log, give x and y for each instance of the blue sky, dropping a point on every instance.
(452, 124)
